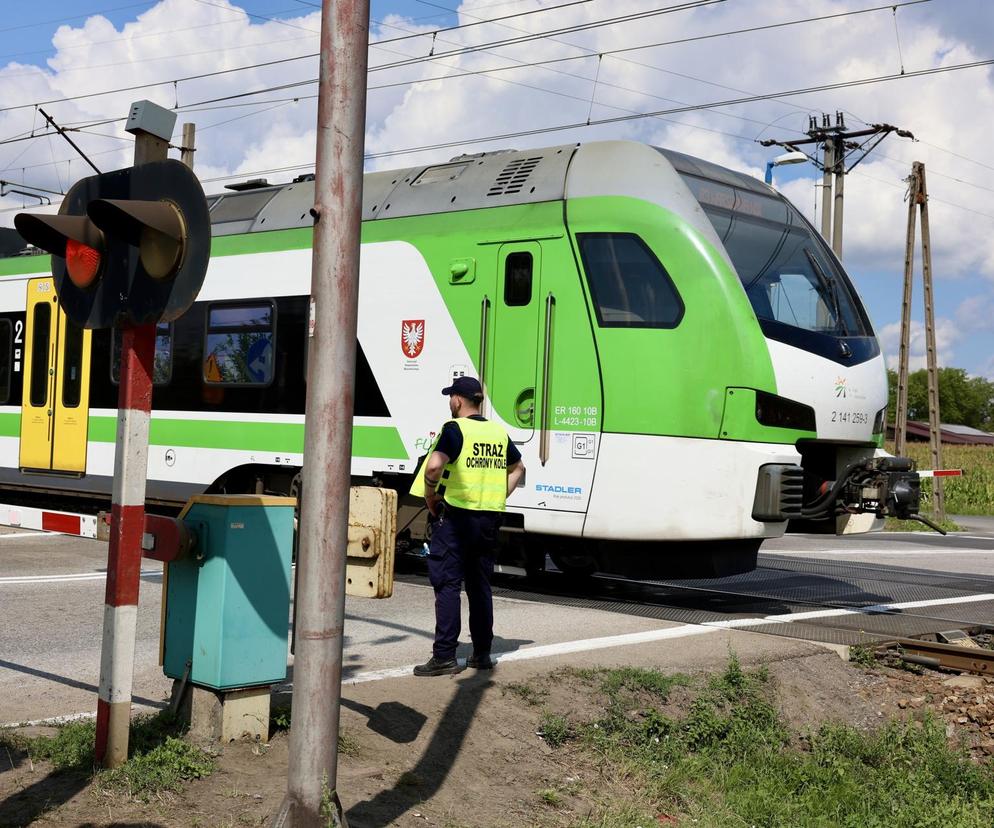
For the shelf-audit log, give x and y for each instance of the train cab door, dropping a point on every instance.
(55, 406)
(512, 385)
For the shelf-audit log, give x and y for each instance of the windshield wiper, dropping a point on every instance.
(830, 287)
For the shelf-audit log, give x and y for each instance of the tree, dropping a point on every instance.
(963, 400)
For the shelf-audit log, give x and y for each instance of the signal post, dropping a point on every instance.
(127, 516)
(129, 248)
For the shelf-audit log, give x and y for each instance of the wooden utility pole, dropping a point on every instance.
(918, 198)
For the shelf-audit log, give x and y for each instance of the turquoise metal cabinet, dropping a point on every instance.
(227, 605)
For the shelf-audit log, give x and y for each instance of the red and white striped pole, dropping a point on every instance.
(127, 516)
(127, 524)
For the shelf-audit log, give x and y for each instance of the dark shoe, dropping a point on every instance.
(438, 667)
(480, 662)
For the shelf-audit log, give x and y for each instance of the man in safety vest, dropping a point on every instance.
(466, 479)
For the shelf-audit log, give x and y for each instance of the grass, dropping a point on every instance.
(281, 717)
(730, 760)
(972, 494)
(528, 694)
(158, 760)
(896, 525)
(554, 729)
(863, 654)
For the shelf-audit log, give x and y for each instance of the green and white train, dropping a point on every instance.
(682, 361)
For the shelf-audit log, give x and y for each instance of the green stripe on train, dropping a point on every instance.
(367, 441)
(280, 438)
(10, 425)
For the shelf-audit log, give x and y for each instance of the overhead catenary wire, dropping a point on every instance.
(630, 115)
(414, 35)
(692, 4)
(675, 110)
(671, 111)
(518, 64)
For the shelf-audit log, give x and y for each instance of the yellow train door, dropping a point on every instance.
(55, 406)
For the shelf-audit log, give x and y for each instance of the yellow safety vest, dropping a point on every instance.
(477, 478)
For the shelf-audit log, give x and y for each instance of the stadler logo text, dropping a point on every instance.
(542, 487)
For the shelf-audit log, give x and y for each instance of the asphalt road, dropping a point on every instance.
(52, 595)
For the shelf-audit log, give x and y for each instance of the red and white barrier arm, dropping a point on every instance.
(48, 520)
(940, 473)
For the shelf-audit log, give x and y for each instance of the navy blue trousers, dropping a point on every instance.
(463, 545)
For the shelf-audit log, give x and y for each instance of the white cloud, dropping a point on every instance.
(177, 38)
(947, 335)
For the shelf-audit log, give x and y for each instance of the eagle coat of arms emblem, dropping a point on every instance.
(412, 337)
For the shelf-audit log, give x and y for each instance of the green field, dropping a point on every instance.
(972, 494)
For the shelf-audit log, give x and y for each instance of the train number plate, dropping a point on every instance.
(851, 417)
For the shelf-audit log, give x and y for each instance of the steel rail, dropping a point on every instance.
(867, 610)
(948, 656)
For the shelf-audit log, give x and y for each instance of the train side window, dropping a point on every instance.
(518, 279)
(41, 336)
(6, 353)
(629, 285)
(240, 344)
(72, 365)
(162, 371)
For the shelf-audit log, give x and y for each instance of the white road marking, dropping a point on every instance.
(35, 534)
(77, 717)
(936, 553)
(683, 631)
(58, 579)
(937, 538)
(627, 639)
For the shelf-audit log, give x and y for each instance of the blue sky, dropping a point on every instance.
(950, 113)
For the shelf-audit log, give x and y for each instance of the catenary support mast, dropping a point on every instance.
(312, 797)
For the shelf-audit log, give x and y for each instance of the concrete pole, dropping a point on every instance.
(189, 144)
(826, 192)
(840, 181)
(901, 413)
(127, 524)
(323, 534)
(931, 357)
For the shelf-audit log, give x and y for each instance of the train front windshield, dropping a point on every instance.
(784, 267)
(799, 293)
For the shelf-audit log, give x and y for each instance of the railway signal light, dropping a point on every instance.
(129, 246)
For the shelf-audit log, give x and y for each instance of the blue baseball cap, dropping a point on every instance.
(468, 387)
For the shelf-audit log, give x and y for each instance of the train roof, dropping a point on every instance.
(471, 182)
(487, 179)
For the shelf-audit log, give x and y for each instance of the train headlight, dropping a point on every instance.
(779, 412)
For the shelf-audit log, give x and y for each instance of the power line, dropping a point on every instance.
(129, 38)
(528, 38)
(906, 164)
(692, 4)
(640, 115)
(631, 114)
(931, 198)
(539, 64)
(76, 16)
(536, 64)
(614, 52)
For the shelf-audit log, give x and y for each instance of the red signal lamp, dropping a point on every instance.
(82, 263)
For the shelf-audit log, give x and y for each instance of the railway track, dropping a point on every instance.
(828, 601)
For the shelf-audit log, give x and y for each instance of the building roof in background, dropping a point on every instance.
(949, 433)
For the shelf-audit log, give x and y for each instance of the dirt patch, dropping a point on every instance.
(465, 750)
